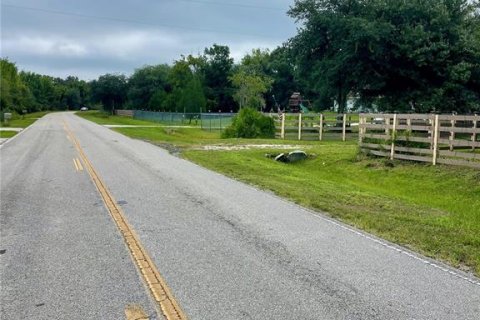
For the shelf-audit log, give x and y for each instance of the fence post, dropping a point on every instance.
(474, 134)
(452, 134)
(435, 140)
(300, 126)
(320, 129)
(431, 134)
(361, 121)
(282, 130)
(393, 136)
(344, 127)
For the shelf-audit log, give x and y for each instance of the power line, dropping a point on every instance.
(122, 20)
(252, 6)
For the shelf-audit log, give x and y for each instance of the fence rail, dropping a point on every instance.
(309, 126)
(124, 113)
(446, 139)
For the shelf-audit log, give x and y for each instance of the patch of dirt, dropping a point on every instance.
(172, 149)
(250, 146)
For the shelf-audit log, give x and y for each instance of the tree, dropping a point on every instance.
(251, 80)
(216, 70)
(147, 82)
(157, 100)
(186, 93)
(282, 71)
(110, 90)
(193, 97)
(41, 88)
(406, 55)
(14, 94)
(250, 89)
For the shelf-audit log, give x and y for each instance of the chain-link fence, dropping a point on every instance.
(169, 118)
(216, 121)
(207, 121)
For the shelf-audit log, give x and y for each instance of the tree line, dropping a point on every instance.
(30, 92)
(385, 55)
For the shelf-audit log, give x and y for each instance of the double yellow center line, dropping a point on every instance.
(147, 269)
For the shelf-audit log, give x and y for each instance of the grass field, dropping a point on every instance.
(7, 134)
(104, 118)
(432, 210)
(24, 121)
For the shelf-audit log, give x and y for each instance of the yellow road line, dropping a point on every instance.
(79, 163)
(159, 290)
(135, 312)
(75, 164)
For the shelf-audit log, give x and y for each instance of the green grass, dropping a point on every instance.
(24, 121)
(104, 118)
(7, 134)
(178, 136)
(433, 210)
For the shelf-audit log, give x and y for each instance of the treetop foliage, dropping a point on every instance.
(410, 55)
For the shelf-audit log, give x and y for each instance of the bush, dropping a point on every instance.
(249, 123)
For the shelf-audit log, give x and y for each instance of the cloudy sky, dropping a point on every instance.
(87, 38)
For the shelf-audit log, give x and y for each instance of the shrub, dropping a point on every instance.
(249, 123)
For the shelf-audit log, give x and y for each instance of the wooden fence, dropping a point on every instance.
(309, 126)
(446, 139)
(125, 113)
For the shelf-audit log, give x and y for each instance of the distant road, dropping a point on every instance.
(225, 249)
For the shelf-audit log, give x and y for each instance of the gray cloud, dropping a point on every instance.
(89, 38)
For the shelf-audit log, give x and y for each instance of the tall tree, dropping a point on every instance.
(419, 55)
(146, 82)
(110, 90)
(285, 83)
(216, 70)
(187, 94)
(252, 81)
(14, 95)
(250, 89)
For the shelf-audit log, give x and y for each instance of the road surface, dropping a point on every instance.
(226, 250)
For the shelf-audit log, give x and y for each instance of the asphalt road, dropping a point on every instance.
(226, 250)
